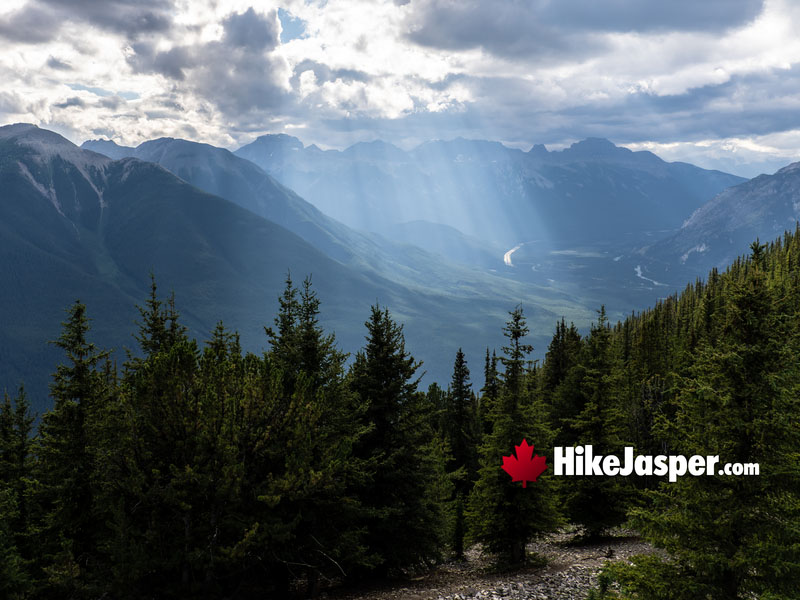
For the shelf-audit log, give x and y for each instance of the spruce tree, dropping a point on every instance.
(598, 502)
(559, 381)
(460, 433)
(404, 526)
(15, 547)
(503, 515)
(489, 392)
(72, 521)
(734, 537)
(323, 425)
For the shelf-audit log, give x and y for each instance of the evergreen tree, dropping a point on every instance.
(489, 392)
(320, 487)
(502, 515)
(15, 430)
(559, 384)
(460, 429)
(598, 502)
(404, 527)
(71, 521)
(162, 486)
(734, 537)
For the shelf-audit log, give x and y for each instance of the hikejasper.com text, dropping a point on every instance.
(581, 461)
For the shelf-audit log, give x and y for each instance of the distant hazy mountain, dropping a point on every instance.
(76, 224)
(591, 191)
(219, 172)
(723, 228)
(448, 242)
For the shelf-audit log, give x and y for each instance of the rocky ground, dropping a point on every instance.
(569, 573)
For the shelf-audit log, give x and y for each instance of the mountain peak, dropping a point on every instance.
(374, 149)
(108, 148)
(539, 150)
(789, 168)
(16, 129)
(279, 139)
(593, 146)
(32, 134)
(48, 144)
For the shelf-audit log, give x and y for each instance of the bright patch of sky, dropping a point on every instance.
(714, 83)
(292, 28)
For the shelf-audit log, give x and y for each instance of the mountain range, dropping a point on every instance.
(722, 229)
(592, 191)
(222, 232)
(75, 224)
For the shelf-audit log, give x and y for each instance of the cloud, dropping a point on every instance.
(251, 30)
(323, 73)
(41, 20)
(238, 73)
(70, 102)
(681, 74)
(58, 65)
(11, 103)
(111, 102)
(30, 24)
(508, 28)
(710, 16)
(128, 17)
(563, 29)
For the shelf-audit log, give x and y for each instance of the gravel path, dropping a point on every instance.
(570, 573)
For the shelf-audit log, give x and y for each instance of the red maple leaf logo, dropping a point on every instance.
(525, 466)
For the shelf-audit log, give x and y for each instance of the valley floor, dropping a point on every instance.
(571, 571)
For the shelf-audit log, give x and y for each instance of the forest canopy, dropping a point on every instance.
(194, 468)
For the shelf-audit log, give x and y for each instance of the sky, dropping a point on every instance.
(715, 83)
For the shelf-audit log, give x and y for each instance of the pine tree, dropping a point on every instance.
(734, 537)
(161, 487)
(460, 429)
(502, 515)
(404, 527)
(71, 523)
(598, 502)
(323, 425)
(489, 392)
(559, 380)
(15, 548)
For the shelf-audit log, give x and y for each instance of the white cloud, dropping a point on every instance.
(195, 69)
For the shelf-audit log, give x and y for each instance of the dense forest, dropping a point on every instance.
(193, 469)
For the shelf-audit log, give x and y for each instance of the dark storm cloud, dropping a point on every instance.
(74, 101)
(170, 63)
(744, 106)
(504, 28)
(634, 15)
(251, 30)
(40, 20)
(58, 65)
(544, 28)
(324, 73)
(111, 102)
(237, 73)
(31, 24)
(129, 17)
